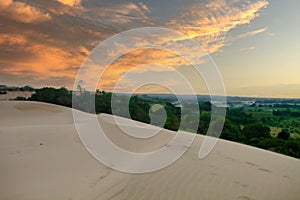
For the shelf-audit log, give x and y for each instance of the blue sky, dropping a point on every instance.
(267, 64)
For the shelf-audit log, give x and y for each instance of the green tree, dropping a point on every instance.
(231, 131)
(256, 130)
(284, 134)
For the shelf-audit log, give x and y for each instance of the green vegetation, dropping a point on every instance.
(256, 130)
(274, 127)
(284, 134)
(51, 95)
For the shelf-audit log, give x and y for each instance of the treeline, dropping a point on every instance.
(59, 96)
(286, 112)
(244, 128)
(138, 107)
(4, 88)
(239, 126)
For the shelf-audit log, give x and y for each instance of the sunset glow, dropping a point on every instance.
(254, 43)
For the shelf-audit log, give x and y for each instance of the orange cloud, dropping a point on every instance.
(130, 61)
(209, 22)
(42, 60)
(22, 12)
(58, 46)
(123, 13)
(12, 39)
(70, 2)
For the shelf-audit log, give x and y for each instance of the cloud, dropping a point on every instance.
(12, 40)
(247, 48)
(251, 33)
(207, 22)
(70, 2)
(22, 12)
(58, 35)
(210, 21)
(38, 60)
(136, 58)
(122, 13)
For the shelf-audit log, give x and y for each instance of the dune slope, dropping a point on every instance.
(41, 157)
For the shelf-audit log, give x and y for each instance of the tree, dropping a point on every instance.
(256, 130)
(284, 134)
(59, 96)
(231, 131)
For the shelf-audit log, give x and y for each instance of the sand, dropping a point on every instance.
(41, 157)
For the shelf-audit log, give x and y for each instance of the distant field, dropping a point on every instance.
(274, 131)
(277, 123)
(295, 135)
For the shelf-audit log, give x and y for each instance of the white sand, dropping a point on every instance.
(41, 157)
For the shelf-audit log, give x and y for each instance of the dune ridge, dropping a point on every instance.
(42, 157)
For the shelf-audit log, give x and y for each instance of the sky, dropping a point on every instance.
(254, 44)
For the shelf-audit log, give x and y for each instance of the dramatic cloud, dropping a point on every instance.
(37, 60)
(207, 22)
(48, 40)
(22, 12)
(210, 21)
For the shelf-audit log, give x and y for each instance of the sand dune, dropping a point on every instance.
(41, 157)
